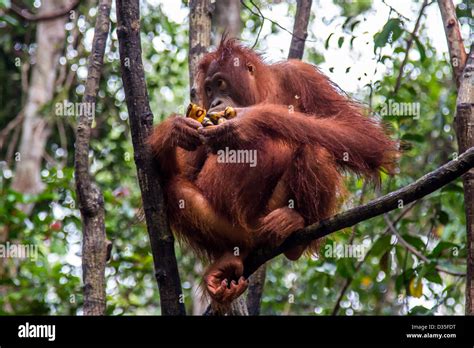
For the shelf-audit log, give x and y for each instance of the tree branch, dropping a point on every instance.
(141, 126)
(392, 9)
(260, 14)
(420, 188)
(46, 16)
(12, 125)
(408, 47)
(91, 200)
(349, 280)
(415, 252)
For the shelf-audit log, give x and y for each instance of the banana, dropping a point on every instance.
(199, 114)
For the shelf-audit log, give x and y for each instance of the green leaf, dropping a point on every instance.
(391, 31)
(5, 3)
(345, 267)
(352, 41)
(348, 19)
(399, 50)
(340, 41)
(453, 188)
(353, 25)
(432, 275)
(421, 49)
(326, 44)
(383, 58)
(443, 217)
(419, 310)
(399, 283)
(403, 279)
(463, 11)
(381, 246)
(10, 20)
(413, 137)
(414, 241)
(411, 90)
(438, 250)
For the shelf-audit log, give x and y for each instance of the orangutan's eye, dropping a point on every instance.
(251, 68)
(221, 84)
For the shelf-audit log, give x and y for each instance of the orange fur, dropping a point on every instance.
(305, 131)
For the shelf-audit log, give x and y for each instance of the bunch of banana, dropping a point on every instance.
(199, 114)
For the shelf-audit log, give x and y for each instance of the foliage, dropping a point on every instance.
(389, 280)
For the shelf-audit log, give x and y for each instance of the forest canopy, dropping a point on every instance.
(391, 56)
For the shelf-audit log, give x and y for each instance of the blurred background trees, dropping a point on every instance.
(369, 41)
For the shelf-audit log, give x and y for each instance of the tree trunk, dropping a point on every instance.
(50, 38)
(298, 39)
(300, 29)
(464, 125)
(456, 49)
(255, 292)
(91, 200)
(141, 126)
(226, 20)
(199, 37)
(200, 302)
(199, 41)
